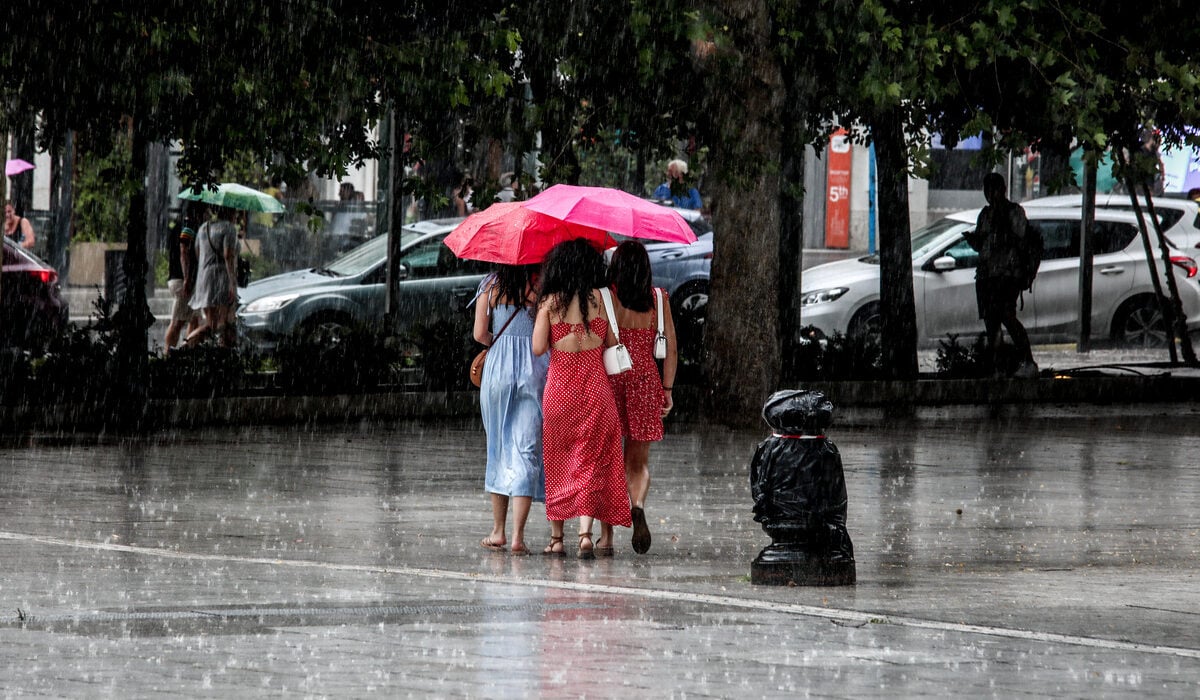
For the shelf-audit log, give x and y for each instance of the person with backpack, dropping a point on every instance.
(1007, 265)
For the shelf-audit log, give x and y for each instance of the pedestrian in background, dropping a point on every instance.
(675, 191)
(581, 435)
(181, 277)
(216, 277)
(999, 280)
(510, 400)
(643, 396)
(18, 227)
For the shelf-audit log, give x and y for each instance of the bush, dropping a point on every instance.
(205, 371)
(955, 361)
(358, 361)
(835, 358)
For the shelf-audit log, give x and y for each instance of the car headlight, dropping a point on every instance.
(823, 296)
(272, 303)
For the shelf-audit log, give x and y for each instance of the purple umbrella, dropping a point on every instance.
(16, 166)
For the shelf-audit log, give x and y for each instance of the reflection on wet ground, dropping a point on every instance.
(1056, 555)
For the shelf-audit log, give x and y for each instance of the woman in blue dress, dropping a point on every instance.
(510, 400)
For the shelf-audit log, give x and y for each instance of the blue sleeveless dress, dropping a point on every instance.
(510, 401)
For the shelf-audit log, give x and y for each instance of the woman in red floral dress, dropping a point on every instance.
(581, 432)
(643, 397)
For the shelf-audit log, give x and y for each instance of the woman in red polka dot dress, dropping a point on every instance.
(643, 397)
(581, 432)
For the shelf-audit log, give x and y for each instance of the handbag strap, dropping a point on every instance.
(505, 326)
(658, 304)
(612, 315)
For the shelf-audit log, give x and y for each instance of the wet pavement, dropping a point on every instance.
(1047, 557)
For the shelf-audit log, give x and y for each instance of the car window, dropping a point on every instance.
(924, 238)
(1060, 238)
(1112, 236)
(964, 255)
(422, 259)
(1167, 217)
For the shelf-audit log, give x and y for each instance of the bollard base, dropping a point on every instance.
(781, 564)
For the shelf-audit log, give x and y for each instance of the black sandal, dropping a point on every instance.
(590, 552)
(641, 531)
(549, 550)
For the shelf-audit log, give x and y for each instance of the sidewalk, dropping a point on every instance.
(995, 558)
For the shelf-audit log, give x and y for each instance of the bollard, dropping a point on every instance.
(799, 495)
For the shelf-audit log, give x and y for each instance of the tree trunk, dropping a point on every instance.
(62, 188)
(791, 224)
(897, 313)
(742, 335)
(395, 202)
(133, 318)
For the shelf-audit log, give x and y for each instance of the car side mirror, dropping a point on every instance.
(944, 264)
(402, 271)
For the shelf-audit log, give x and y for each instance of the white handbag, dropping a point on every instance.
(660, 340)
(616, 358)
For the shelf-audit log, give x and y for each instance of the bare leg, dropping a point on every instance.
(205, 329)
(637, 476)
(556, 539)
(637, 472)
(585, 537)
(606, 536)
(520, 506)
(171, 339)
(495, 538)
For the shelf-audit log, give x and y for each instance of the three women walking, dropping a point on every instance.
(566, 419)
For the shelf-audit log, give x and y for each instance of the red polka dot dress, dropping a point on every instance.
(639, 391)
(581, 434)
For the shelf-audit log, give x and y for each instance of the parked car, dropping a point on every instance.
(328, 301)
(1179, 218)
(844, 296)
(33, 308)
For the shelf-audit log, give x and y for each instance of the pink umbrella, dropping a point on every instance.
(16, 166)
(612, 210)
(510, 234)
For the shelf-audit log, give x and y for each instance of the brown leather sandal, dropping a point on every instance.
(549, 551)
(588, 553)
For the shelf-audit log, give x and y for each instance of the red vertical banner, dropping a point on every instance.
(837, 194)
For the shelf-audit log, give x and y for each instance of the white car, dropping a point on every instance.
(1179, 218)
(843, 296)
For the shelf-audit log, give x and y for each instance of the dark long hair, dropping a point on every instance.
(513, 282)
(629, 272)
(571, 271)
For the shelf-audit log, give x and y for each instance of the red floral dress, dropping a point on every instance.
(639, 392)
(581, 435)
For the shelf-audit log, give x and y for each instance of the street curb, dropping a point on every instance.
(857, 402)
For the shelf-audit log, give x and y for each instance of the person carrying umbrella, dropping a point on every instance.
(510, 400)
(216, 278)
(514, 378)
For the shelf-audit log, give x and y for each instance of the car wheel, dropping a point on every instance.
(688, 305)
(865, 322)
(1139, 323)
(326, 330)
